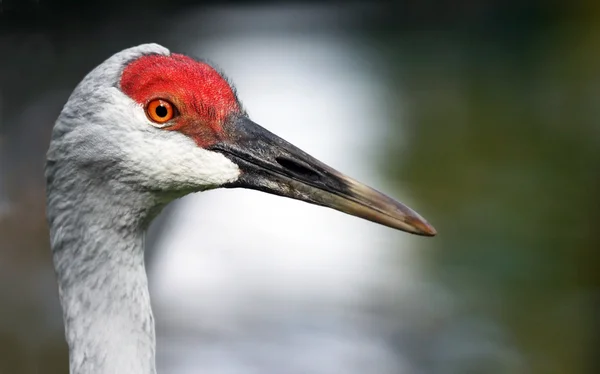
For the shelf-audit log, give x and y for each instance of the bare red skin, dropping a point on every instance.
(202, 97)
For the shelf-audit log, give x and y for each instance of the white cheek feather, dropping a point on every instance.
(162, 158)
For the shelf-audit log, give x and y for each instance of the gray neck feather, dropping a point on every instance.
(96, 234)
(97, 223)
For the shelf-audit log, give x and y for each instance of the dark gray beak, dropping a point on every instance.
(270, 164)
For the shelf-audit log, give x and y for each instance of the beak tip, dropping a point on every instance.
(422, 227)
(429, 230)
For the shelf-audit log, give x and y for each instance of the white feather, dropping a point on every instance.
(166, 158)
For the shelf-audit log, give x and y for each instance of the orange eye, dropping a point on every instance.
(160, 111)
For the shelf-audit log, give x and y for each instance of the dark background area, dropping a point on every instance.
(501, 101)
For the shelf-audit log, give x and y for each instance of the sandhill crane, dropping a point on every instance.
(145, 127)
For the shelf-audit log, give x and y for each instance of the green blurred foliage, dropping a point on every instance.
(500, 141)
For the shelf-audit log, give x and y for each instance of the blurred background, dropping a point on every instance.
(481, 115)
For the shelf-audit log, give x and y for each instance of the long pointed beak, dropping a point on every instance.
(271, 164)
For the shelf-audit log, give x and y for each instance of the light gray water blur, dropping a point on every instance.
(250, 283)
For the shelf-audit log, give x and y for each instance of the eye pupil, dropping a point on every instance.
(161, 111)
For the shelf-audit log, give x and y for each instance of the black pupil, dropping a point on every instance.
(161, 111)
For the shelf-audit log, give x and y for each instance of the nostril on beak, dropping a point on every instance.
(296, 168)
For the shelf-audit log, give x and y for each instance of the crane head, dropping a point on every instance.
(170, 124)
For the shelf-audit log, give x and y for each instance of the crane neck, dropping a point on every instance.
(97, 241)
